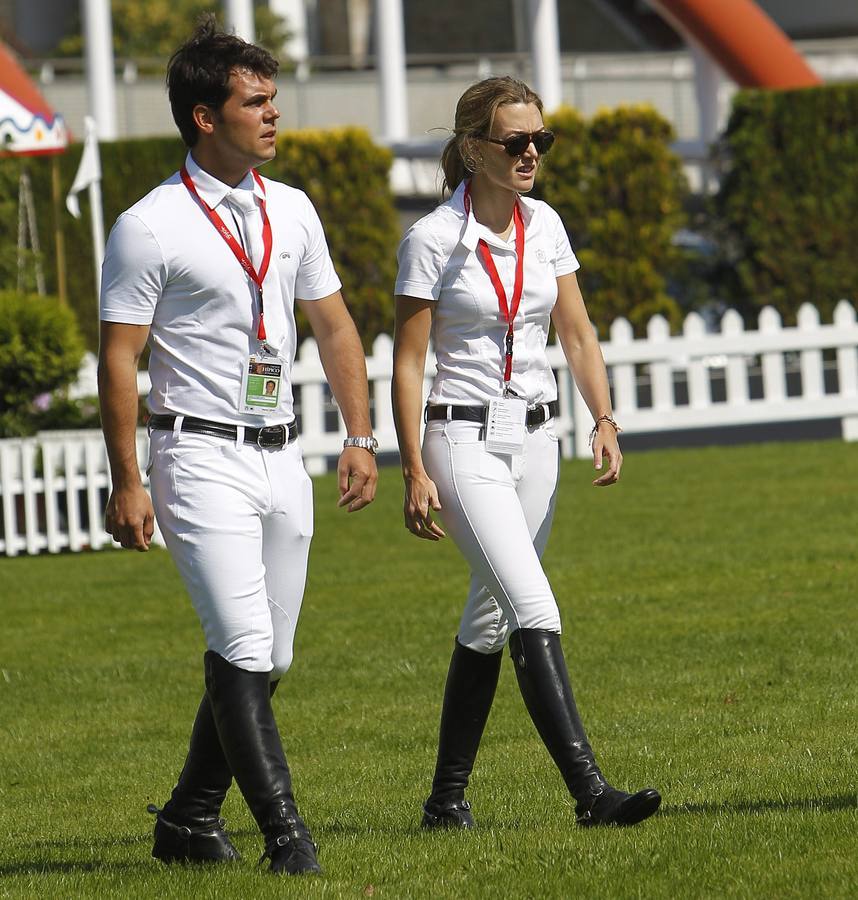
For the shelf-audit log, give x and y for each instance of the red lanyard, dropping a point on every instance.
(238, 251)
(508, 311)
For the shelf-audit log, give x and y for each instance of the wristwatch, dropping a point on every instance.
(365, 443)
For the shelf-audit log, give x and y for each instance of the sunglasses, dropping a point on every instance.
(518, 143)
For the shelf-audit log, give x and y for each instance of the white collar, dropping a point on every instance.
(474, 231)
(214, 191)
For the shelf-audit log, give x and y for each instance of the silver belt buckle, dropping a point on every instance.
(272, 436)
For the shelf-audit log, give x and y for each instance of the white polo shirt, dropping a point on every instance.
(166, 266)
(438, 261)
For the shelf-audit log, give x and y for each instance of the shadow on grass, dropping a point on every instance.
(68, 844)
(63, 867)
(809, 804)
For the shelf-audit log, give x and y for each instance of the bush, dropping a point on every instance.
(346, 177)
(620, 190)
(40, 352)
(342, 171)
(786, 209)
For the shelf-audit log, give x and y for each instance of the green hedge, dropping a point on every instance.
(620, 191)
(786, 211)
(40, 352)
(347, 178)
(343, 172)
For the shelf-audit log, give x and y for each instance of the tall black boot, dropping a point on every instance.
(471, 682)
(189, 827)
(241, 707)
(544, 683)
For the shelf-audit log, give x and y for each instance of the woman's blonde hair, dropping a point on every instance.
(475, 115)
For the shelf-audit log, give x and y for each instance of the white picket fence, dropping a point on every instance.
(53, 487)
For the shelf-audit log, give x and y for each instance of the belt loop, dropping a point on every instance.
(239, 436)
(177, 426)
(426, 414)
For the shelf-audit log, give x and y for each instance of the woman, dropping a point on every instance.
(482, 274)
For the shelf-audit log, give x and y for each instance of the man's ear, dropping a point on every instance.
(204, 118)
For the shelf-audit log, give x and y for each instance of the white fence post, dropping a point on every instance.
(774, 373)
(732, 327)
(658, 332)
(379, 371)
(623, 373)
(812, 384)
(699, 392)
(310, 375)
(847, 367)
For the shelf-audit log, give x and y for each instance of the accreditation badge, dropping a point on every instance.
(261, 383)
(506, 425)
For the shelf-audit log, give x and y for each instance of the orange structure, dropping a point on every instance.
(742, 39)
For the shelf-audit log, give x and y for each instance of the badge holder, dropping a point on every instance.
(261, 383)
(506, 429)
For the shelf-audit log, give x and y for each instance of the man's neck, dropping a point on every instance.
(229, 173)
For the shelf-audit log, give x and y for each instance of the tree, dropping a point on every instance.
(157, 27)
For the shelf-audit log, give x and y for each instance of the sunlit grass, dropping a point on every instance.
(709, 608)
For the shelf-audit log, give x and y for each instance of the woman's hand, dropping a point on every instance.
(606, 446)
(421, 497)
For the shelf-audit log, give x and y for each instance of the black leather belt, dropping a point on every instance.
(535, 416)
(270, 436)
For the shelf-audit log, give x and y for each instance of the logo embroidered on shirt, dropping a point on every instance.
(285, 255)
(540, 255)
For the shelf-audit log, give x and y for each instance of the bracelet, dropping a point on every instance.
(605, 418)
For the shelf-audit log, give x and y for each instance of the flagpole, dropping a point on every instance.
(97, 232)
(59, 237)
(89, 176)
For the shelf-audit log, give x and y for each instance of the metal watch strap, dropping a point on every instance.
(365, 442)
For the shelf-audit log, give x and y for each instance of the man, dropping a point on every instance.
(207, 267)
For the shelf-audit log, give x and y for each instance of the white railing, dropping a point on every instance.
(53, 487)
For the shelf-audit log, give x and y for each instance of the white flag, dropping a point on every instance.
(89, 169)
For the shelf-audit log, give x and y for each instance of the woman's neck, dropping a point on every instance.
(492, 205)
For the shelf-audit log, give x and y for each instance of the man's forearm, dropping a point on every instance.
(118, 398)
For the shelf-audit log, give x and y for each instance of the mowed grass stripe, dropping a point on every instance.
(709, 609)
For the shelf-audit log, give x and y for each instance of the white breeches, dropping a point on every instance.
(498, 509)
(238, 522)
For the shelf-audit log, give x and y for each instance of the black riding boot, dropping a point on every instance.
(241, 707)
(544, 683)
(471, 683)
(189, 827)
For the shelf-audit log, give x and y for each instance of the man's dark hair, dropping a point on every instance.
(198, 72)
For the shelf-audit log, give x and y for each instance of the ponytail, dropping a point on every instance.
(452, 165)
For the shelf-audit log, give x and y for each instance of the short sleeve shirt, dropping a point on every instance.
(166, 266)
(438, 261)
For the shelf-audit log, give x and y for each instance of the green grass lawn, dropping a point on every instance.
(709, 607)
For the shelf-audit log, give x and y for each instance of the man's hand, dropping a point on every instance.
(358, 477)
(130, 518)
